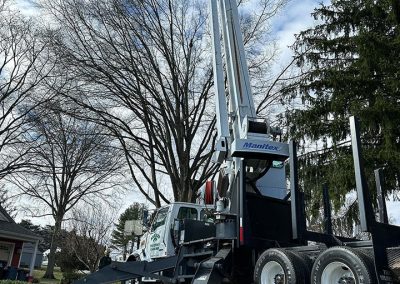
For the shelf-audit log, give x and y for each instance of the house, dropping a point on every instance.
(12, 239)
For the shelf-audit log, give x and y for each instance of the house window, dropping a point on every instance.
(6, 252)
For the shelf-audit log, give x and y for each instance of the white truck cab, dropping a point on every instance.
(158, 241)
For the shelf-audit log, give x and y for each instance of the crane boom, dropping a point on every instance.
(220, 98)
(240, 132)
(241, 97)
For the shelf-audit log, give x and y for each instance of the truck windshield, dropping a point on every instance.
(160, 218)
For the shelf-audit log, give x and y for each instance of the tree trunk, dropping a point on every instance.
(53, 249)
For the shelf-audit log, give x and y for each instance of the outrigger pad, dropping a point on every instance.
(109, 274)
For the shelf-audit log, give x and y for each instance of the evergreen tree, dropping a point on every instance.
(350, 65)
(45, 232)
(27, 224)
(118, 238)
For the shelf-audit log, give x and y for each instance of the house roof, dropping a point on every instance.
(11, 230)
(4, 216)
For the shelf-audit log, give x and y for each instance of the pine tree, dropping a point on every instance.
(350, 64)
(118, 238)
(45, 232)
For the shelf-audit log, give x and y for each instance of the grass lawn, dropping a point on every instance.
(38, 273)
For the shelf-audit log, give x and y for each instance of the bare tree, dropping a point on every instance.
(6, 201)
(2, 5)
(90, 234)
(147, 69)
(24, 63)
(68, 161)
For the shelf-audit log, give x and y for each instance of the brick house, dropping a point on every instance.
(12, 239)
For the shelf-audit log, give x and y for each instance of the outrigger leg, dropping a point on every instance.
(120, 271)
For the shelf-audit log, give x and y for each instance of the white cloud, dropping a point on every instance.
(26, 7)
(295, 18)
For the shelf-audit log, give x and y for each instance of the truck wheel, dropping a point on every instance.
(279, 266)
(342, 265)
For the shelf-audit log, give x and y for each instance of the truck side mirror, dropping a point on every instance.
(146, 218)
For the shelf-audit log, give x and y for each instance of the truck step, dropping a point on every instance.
(205, 253)
(203, 275)
(186, 276)
(208, 271)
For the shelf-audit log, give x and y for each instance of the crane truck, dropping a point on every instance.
(249, 228)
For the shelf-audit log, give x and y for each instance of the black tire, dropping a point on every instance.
(292, 264)
(303, 263)
(354, 264)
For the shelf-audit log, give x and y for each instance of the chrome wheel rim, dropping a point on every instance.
(337, 273)
(272, 273)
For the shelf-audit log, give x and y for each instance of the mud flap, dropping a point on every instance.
(119, 271)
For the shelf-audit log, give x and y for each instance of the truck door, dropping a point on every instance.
(157, 232)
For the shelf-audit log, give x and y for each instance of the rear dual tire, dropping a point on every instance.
(280, 266)
(337, 265)
(343, 265)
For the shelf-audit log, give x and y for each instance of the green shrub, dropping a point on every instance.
(12, 282)
(69, 277)
(68, 262)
